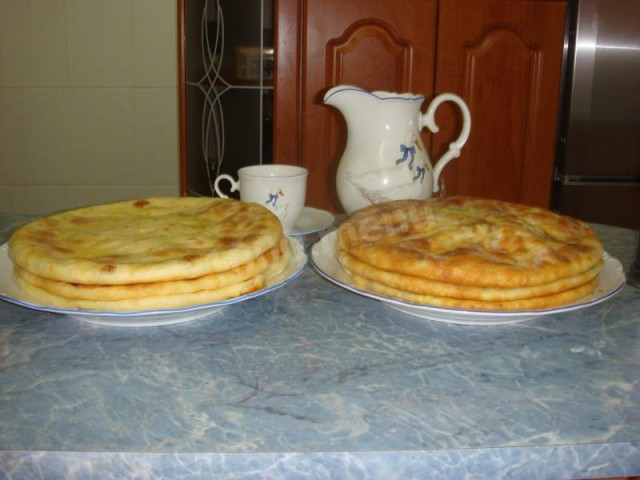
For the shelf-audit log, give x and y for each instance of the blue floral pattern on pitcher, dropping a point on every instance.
(409, 153)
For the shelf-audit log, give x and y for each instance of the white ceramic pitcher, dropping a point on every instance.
(385, 158)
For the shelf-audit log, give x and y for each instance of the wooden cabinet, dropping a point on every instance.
(503, 57)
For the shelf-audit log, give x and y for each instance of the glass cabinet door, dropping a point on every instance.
(226, 89)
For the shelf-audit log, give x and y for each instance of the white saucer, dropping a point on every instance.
(312, 220)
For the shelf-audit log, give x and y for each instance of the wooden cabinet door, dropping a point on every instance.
(504, 57)
(376, 45)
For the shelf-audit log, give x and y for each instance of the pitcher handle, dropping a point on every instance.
(234, 185)
(428, 120)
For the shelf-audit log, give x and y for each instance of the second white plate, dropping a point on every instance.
(11, 293)
(323, 259)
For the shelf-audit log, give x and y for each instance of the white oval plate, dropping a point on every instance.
(10, 292)
(312, 220)
(323, 259)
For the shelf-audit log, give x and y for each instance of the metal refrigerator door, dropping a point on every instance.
(603, 125)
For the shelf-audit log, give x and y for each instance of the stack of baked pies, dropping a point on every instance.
(469, 253)
(149, 254)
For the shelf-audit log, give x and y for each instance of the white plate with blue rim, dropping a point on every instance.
(323, 259)
(11, 292)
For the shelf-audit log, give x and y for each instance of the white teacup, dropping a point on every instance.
(280, 188)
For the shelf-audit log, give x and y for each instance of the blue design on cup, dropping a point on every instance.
(279, 210)
(273, 199)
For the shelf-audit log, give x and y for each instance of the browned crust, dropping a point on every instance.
(534, 303)
(145, 240)
(469, 241)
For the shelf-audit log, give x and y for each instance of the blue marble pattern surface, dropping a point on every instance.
(312, 381)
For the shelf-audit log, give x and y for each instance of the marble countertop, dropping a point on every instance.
(313, 381)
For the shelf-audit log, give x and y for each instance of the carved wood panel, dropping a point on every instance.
(505, 61)
(514, 99)
(368, 51)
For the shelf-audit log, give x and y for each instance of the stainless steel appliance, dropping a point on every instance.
(598, 166)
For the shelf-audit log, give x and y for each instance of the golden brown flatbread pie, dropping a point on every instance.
(423, 286)
(469, 241)
(143, 303)
(165, 297)
(148, 240)
(267, 265)
(463, 252)
(534, 303)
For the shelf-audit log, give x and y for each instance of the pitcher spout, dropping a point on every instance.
(342, 95)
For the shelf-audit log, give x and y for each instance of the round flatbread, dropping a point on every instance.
(422, 286)
(268, 264)
(535, 303)
(471, 241)
(163, 301)
(145, 303)
(148, 240)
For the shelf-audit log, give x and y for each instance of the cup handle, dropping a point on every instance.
(428, 120)
(234, 184)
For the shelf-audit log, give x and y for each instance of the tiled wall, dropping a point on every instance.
(88, 102)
